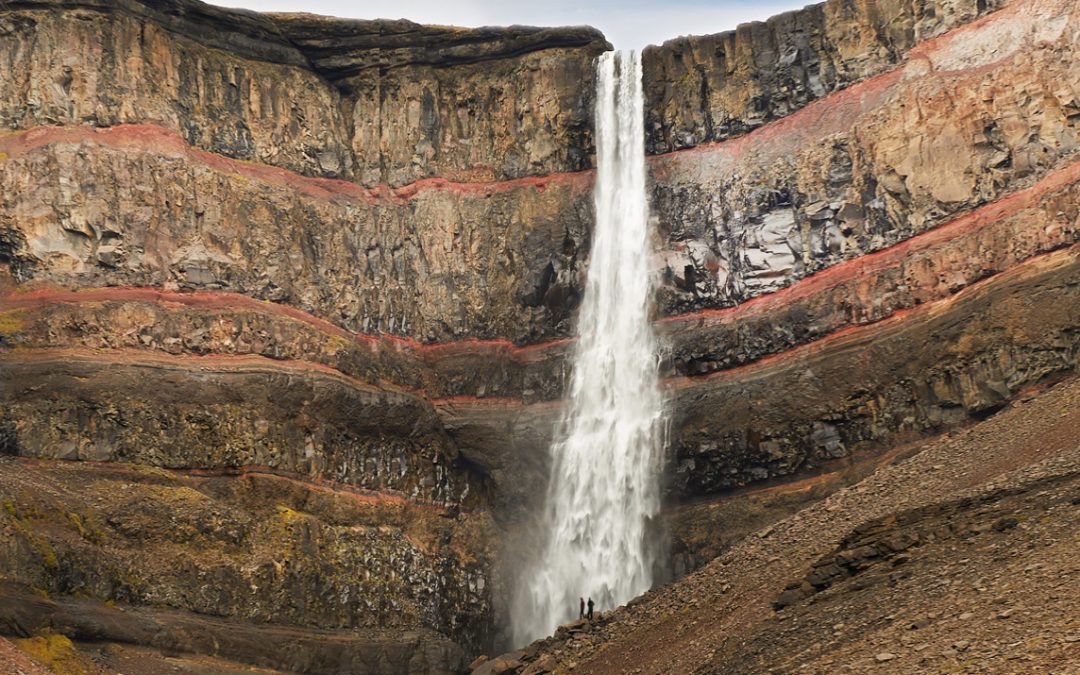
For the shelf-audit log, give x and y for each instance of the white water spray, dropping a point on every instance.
(604, 483)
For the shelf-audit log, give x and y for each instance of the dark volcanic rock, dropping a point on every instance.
(340, 48)
(917, 374)
(703, 89)
(189, 556)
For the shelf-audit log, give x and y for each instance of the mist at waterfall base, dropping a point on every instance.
(604, 487)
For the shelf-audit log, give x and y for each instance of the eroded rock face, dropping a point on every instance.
(226, 238)
(875, 164)
(322, 97)
(134, 207)
(961, 359)
(241, 252)
(177, 413)
(703, 89)
(107, 64)
(254, 558)
(862, 291)
(386, 104)
(891, 167)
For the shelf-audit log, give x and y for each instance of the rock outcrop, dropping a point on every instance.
(962, 122)
(269, 569)
(408, 169)
(703, 89)
(814, 264)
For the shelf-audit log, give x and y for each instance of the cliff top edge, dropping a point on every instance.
(333, 47)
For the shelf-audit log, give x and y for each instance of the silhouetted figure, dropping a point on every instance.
(581, 609)
(589, 615)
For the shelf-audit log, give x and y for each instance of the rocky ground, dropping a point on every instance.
(959, 556)
(12, 660)
(57, 654)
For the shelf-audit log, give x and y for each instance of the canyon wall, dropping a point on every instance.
(888, 258)
(315, 281)
(232, 247)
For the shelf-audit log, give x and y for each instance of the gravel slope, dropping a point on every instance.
(990, 583)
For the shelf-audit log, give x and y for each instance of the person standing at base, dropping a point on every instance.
(581, 608)
(589, 615)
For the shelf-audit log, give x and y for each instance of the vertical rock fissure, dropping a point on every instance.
(604, 482)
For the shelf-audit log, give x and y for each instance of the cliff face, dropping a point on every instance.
(703, 89)
(398, 148)
(314, 281)
(227, 238)
(862, 272)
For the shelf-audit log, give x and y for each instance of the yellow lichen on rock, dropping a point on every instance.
(55, 652)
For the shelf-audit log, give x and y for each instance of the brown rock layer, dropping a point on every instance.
(973, 115)
(422, 101)
(923, 268)
(929, 368)
(134, 206)
(252, 559)
(703, 89)
(215, 411)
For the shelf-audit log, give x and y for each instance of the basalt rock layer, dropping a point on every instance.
(969, 117)
(226, 238)
(350, 160)
(703, 89)
(252, 557)
(282, 278)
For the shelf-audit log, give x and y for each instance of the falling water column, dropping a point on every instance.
(604, 484)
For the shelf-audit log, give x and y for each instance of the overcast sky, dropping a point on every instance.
(630, 24)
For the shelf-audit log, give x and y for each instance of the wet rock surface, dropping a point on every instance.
(934, 367)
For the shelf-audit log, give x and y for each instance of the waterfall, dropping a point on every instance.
(604, 480)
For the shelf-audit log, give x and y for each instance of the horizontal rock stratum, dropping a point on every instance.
(286, 302)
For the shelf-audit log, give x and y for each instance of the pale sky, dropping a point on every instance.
(630, 24)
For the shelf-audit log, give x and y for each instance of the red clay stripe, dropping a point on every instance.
(858, 333)
(826, 279)
(891, 257)
(167, 142)
(838, 111)
(839, 338)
